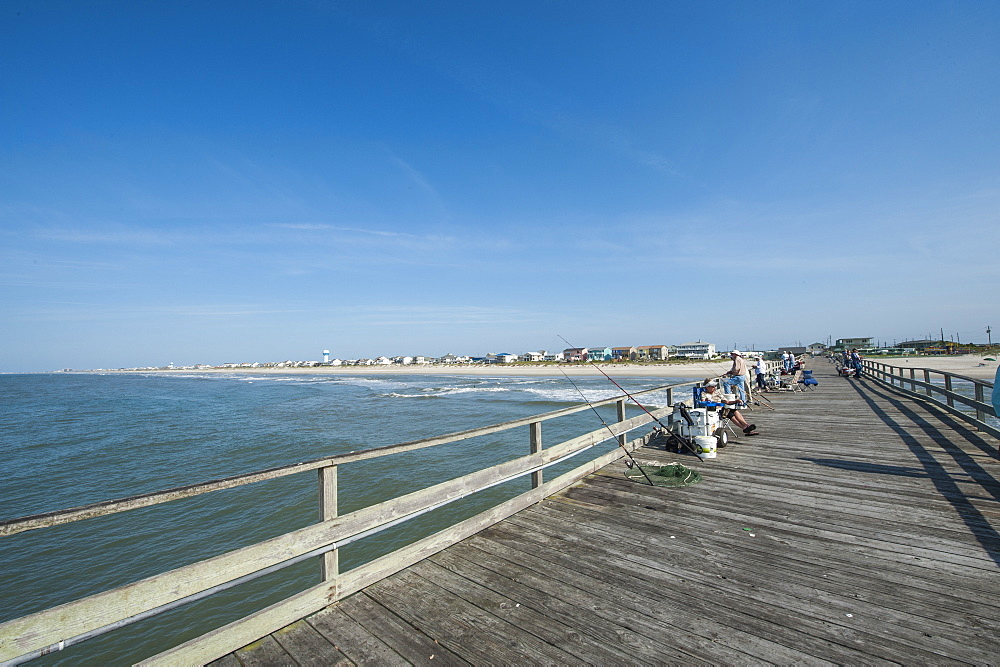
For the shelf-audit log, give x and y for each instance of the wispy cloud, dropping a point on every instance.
(317, 227)
(123, 236)
(435, 315)
(76, 311)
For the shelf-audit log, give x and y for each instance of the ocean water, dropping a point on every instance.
(73, 439)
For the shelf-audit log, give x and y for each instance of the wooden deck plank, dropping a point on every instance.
(790, 590)
(875, 541)
(680, 630)
(947, 591)
(308, 647)
(350, 638)
(226, 661)
(414, 646)
(544, 626)
(265, 652)
(475, 634)
(586, 612)
(708, 593)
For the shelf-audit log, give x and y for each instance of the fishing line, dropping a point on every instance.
(624, 449)
(622, 389)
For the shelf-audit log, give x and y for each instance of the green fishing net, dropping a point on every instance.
(672, 474)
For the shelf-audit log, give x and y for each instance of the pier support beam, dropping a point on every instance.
(536, 446)
(330, 566)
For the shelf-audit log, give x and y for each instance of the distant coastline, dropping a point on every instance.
(968, 365)
(686, 370)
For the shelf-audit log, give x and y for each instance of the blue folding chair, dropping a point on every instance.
(808, 380)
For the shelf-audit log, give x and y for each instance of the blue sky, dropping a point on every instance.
(229, 181)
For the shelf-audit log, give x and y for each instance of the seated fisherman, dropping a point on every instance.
(711, 398)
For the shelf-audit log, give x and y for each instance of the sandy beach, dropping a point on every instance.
(687, 370)
(964, 364)
(968, 365)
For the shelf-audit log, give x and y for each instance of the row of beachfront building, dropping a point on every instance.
(696, 350)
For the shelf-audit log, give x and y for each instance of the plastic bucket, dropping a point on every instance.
(705, 445)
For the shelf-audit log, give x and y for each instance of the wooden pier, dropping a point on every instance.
(859, 527)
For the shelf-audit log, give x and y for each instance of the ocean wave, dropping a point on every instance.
(572, 395)
(393, 394)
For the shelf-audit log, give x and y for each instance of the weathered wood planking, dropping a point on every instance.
(860, 527)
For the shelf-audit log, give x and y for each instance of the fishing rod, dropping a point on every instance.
(620, 444)
(622, 389)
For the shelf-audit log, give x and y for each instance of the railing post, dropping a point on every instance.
(913, 375)
(535, 429)
(670, 396)
(947, 385)
(980, 414)
(330, 565)
(927, 379)
(620, 406)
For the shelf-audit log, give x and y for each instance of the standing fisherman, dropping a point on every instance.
(761, 369)
(856, 362)
(736, 377)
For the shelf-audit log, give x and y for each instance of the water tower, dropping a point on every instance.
(326, 356)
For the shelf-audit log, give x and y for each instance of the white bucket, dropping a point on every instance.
(705, 444)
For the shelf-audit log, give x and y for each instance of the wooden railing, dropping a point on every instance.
(54, 629)
(941, 393)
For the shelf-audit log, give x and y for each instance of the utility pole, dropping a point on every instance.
(989, 341)
(942, 334)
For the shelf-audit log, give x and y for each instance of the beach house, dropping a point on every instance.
(575, 353)
(851, 343)
(696, 350)
(652, 352)
(599, 353)
(624, 353)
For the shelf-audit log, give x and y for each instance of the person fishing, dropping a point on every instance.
(712, 400)
(761, 370)
(736, 377)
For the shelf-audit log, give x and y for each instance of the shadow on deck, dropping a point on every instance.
(859, 527)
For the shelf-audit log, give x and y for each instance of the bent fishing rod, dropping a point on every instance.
(633, 399)
(620, 444)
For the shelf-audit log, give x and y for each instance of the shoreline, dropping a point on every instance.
(706, 369)
(967, 365)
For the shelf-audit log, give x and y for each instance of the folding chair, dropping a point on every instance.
(808, 381)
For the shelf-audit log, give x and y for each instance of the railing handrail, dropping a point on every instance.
(87, 616)
(982, 407)
(106, 507)
(985, 383)
(69, 623)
